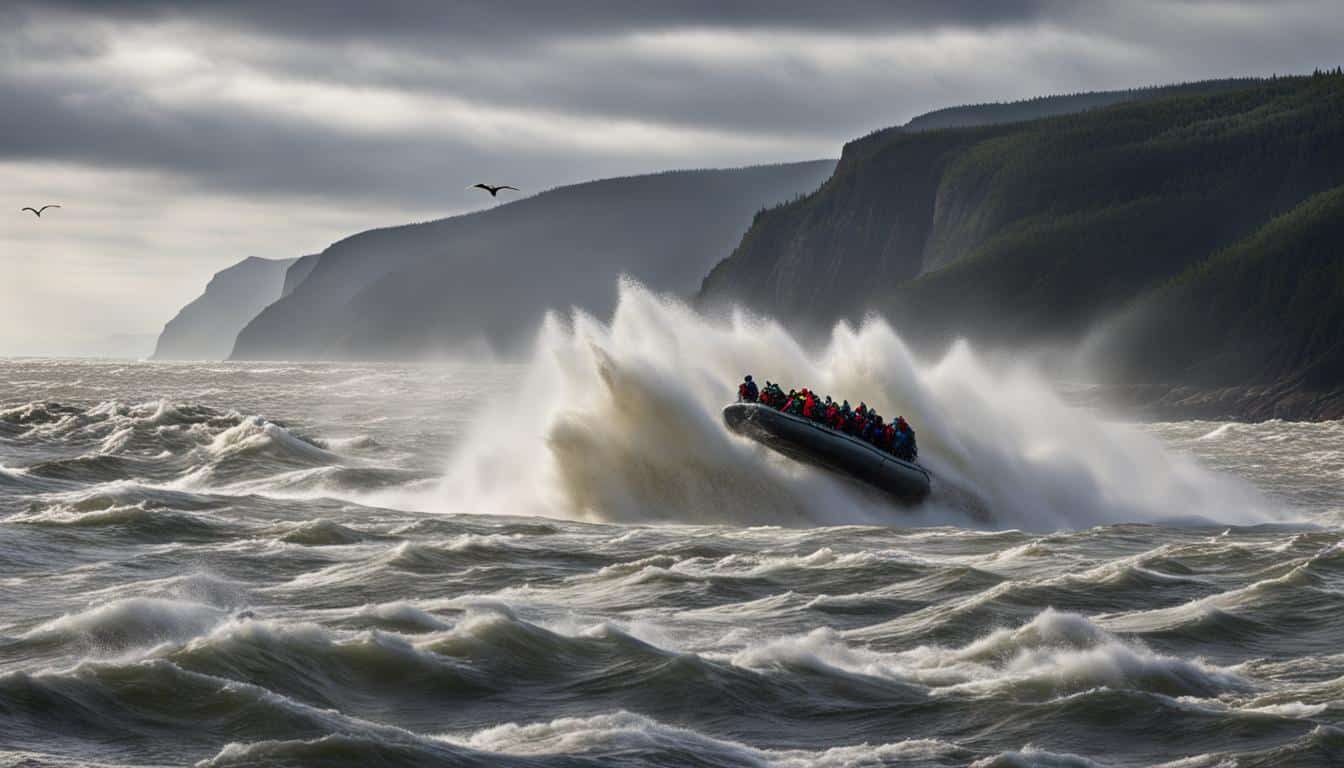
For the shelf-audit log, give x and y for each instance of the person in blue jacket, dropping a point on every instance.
(904, 446)
(747, 391)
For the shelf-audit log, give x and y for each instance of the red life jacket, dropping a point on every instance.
(742, 391)
(809, 405)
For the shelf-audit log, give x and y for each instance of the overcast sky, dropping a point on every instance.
(182, 137)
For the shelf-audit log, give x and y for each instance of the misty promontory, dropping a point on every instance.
(205, 329)
(488, 277)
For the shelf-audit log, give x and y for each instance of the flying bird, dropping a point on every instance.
(494, 191)
(38, 211)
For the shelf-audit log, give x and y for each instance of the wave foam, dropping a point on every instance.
(626, 733)
(1031, 757)
(1055, 654)
(132, 621)
(621, 422)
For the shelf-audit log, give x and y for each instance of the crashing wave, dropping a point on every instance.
(620, 421)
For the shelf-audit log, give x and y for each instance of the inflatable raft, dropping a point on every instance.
(807, 441)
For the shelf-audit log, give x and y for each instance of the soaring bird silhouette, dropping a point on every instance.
(494, 191)
(38, 211)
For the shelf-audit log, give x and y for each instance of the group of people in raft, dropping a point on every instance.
(864, 423)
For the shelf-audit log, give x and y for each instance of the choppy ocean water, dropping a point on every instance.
(570, 563)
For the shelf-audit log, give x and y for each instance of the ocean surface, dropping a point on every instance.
(569, 562)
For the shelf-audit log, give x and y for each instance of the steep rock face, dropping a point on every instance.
(864, 231)
(205, 328)
(893, 215)
(443, 286)
(298, 272)
(1034, 231)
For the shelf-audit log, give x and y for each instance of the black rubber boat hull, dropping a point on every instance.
(803, 440)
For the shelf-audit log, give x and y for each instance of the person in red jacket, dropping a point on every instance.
(809, 404)
(747, 391)
(862, 413)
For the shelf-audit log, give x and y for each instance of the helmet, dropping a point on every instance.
(748, 377)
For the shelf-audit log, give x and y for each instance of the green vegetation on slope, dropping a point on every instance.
(1056, 226)
(1268, 308)
(1003, 113)
(1035, 231)
(1063, 104)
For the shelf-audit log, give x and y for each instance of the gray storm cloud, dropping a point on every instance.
(350, 114)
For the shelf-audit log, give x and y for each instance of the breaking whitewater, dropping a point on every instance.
(571, 562)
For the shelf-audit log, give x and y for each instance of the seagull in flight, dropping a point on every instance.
(494, 191)
(38, 211)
